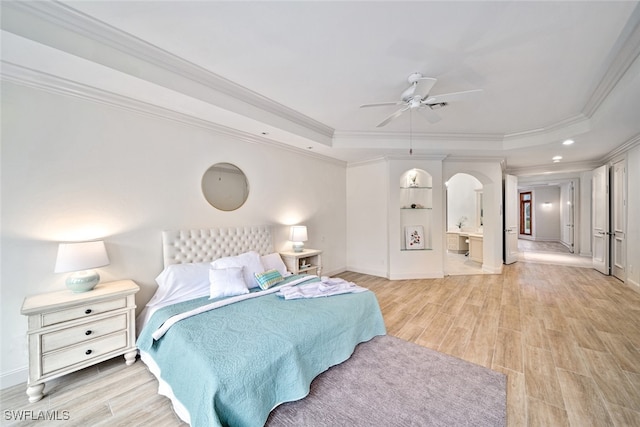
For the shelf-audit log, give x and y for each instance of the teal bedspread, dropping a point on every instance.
(233, 365)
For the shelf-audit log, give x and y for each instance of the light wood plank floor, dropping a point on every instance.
(568, 339)
(525, 245)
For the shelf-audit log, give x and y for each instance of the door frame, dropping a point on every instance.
(510, 219)
(600, 220)
(522, 210)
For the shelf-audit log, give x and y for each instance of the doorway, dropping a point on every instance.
(464, 225)
(526, 223)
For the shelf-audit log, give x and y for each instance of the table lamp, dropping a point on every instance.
(80, 258)
(298, 236)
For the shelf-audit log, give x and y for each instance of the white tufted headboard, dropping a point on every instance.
(206, 245)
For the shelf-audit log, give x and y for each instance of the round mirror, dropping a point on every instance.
(225, 186)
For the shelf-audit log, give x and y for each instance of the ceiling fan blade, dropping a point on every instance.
(424, 86)
(382, 104)
(429, 114)
(454, 96)
(393, 116)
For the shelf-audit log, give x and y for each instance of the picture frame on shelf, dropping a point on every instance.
(414, 237)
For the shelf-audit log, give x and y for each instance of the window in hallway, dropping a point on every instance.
(525, 213)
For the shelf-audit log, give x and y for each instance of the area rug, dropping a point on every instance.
(392, 382)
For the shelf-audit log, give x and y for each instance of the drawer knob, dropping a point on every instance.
(87, 311)
(87, 352)
(88, 332)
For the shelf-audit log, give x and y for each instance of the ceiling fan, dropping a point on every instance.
(417, 96)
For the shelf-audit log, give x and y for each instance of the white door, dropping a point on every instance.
(600, 227)
(511, 219)
(570, 216)
(618, 220)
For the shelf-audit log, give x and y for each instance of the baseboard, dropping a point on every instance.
(377, 273)
(492, 270)
(15, 377)
(432, 275)
(633, 284)
(333, 272)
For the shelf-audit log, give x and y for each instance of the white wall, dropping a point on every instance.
(461, 201)
(546, 218)
(75, 169)
(367, 223)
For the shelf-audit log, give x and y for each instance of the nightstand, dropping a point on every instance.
(68, 332)
(308, 261)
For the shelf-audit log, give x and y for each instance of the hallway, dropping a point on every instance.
(528, 251)
(550, 253)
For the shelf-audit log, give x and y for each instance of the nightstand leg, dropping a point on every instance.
(130, 357)
(35, 392)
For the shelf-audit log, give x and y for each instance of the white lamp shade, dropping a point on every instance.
(81, 256)
(298, 233)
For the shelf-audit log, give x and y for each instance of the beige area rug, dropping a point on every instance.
(392, 382)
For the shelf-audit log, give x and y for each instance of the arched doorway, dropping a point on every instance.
(464, 225)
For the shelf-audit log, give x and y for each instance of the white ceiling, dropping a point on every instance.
(548, 70)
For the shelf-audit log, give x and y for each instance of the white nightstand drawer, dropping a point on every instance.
(83, 352)
(66, 337)
(82, 311)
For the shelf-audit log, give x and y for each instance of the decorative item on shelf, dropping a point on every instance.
(413, 178)
(414, 235)
(461, 222)
(304, 263)
(81, 258)
(298, 236)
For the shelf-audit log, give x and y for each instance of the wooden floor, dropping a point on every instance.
(525, 245)
(568, 339)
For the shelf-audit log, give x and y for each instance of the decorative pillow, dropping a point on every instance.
(227, 282)
(250, 261)
(269, 278)
(181, 282)
(274, 261)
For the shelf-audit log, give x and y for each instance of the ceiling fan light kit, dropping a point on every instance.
(418, 96)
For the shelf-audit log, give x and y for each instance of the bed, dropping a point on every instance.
(241, 355)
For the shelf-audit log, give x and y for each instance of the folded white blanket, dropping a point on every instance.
(324, 288)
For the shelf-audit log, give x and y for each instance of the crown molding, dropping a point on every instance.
(627, 52)
(475, 159)
(436, 157)
(555, 169)
(367, 162)
(417, 136)
(41, 15)
(569, 127)
(35, 79)
(622, 149)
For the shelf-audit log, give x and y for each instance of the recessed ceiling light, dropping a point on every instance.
(568, 142)
(556, 161)
(556, 158)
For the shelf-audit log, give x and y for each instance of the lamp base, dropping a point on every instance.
(82, 281)
(298, 247)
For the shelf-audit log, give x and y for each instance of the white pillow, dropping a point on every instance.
(227, 282)
(250, 261)
(181, 282)
(274, 262)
